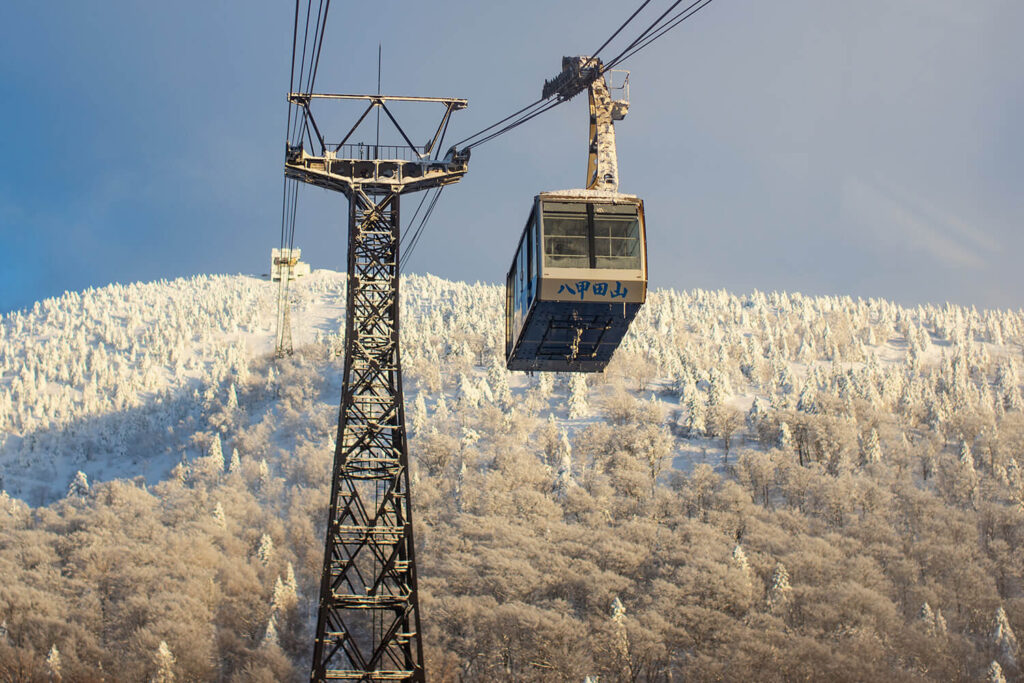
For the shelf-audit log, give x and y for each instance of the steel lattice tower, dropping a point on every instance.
(368, 628)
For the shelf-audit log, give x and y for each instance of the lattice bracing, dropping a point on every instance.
(368, 626)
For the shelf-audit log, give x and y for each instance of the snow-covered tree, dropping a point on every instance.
(270, 387)
(270, 637)
(563, 476)
(1003, 637)
(441, 413)
(468, 393)
(53, 664)
(718, 388)
(163, 660)
(265, 551)
(418, 414)
(497, 378)
(577, 396)
(872, 450)
(283, 597)
(291, 586)
(695, 419)
(966, 457)
(212, 464)
(739, 558)
(545, 384)
(926, 617)
(263, 474)
(784, 439)
(79, 487)
(218, 515)
(780, 591)
(235, 465)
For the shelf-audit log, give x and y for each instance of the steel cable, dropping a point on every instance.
(672, 22)
(419, 230)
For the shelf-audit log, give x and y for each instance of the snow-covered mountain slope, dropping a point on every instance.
(114, 381)
(812, 487)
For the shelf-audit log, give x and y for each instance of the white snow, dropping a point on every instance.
(591, 194)
(127, 381)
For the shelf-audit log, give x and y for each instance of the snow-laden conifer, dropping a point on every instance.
(780, 590)
(563, 476)
(441, 413)
(545, 384)
(618, 610)
(695, 415)
(270, 387)
(718, 388)
(739, 558)
(218, 515)
(53, 664)
(784, 439)
(290, 584)
(270, 637)
(618, 617)
(418, 415)
(577, 396)
(497, 378)
(966, 457)
(212, 464)
(265, 550)
(283, 597)
(467, 392)
(926, 617)
(179, 473)
(79, 486)
(1003, 637)
(163, 660)
(263, 474)
(872, 447)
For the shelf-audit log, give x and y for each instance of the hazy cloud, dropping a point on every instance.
(898, 219)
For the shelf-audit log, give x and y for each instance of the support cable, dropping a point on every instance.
(404, 259)
(320, 30)
(531, 114)
(549, 105)
(595, 53)
(495, 125)
(296, 127)
(659, 27)
(294, 135)
(670, 24)
(291, 73)
(646, 32)
(404, 239)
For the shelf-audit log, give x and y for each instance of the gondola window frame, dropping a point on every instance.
(629, 241)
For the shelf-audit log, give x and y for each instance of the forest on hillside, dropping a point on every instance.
(768, 485)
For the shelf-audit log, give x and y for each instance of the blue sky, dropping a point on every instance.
(870, 149)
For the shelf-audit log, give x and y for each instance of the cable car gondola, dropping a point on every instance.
(576, 282)
(579, 274)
